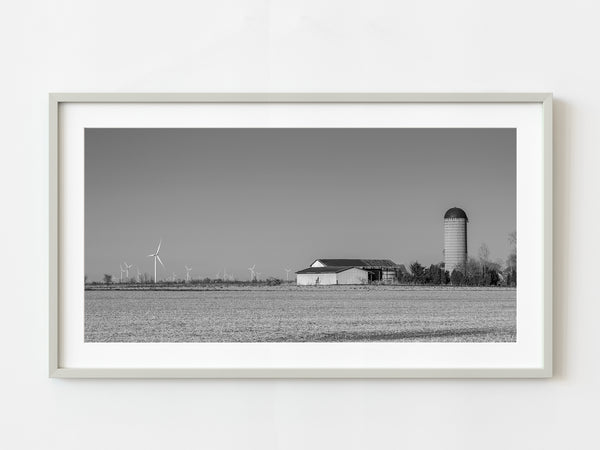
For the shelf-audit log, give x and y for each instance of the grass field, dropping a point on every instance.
(295, 314)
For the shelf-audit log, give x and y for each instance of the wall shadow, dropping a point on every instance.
(562, 175)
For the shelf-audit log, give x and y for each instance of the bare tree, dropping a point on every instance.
(511, 261)
(484, 254)
(512, 239)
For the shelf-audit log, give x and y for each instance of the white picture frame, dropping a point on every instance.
(535, 360)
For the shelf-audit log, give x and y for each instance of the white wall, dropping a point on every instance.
(353, 276)
(304, 45)
(305, 279)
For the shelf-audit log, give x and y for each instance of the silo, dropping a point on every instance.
(455, 239)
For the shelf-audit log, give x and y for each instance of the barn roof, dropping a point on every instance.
(357, 262)
(402, 269)
(329, 269)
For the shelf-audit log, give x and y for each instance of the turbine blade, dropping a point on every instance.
(150, 256)
(158, 249)
(160, 261)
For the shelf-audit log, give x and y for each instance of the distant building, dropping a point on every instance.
(455, 239)
(348, 271)
(313, 276)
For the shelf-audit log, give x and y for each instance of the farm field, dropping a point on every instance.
(309, 314)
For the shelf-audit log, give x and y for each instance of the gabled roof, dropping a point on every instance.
(357, 263)
(328, 269)
(402, 269)
(380, 263)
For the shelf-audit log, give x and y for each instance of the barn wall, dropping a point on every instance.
(309, 279)
(353, 276)
(388, 276)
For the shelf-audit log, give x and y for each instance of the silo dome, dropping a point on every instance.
(455, 239)
(456, 213)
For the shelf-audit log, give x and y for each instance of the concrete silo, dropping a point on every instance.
(455, 239)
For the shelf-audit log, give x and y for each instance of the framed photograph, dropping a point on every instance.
(300, 235)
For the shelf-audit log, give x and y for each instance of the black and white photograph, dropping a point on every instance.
(235, 235)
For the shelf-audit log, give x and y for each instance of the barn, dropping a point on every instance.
(331, 275)
(384, 270)
(338, 271)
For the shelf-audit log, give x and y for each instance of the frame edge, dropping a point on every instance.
(548, 234)
(308, 373)
(308, 97)
(53, 214)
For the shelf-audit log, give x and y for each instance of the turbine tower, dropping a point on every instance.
(187, 273)
(252, 273)
(156, 257)
(287, 274)
(126, 268)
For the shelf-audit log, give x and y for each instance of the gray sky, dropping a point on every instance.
(281, 198)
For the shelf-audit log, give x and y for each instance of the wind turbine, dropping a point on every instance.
(126, 270)
(252, 273)
(227, 276)
(287, 274)
(121, 274)
(187, 274)
(156, 257)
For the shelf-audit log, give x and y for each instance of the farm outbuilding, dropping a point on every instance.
(331, 275)
(348, 271)
(384, 270)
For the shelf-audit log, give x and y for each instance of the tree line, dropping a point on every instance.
(476, 272)
(146, 279)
